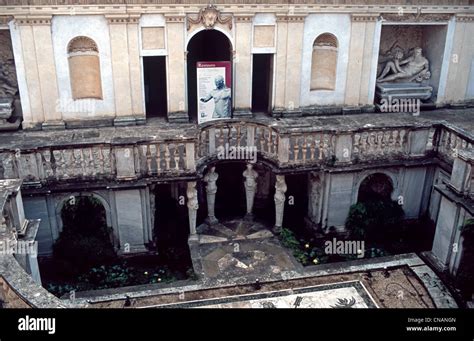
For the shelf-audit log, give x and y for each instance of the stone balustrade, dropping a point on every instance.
(101, 161)
(450, 142)
(221, 137)
(309, 148)
(284, 147)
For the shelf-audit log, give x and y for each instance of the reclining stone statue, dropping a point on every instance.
(414, 68)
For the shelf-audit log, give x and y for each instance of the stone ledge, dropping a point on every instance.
(53, 125)
(242, 113)
(178, 117)
(26, 288)
(90, 123)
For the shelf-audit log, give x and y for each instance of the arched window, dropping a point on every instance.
(84, 68)
(324, 62)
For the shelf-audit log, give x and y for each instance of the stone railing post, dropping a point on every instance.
(283, 149)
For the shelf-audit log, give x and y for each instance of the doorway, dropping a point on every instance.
(208, 46)
(262, 80)
(230, 181)
(154, 76)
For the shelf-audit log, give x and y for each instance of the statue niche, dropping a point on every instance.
(403, 75)
(404, 67)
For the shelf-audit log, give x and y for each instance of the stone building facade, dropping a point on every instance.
(87, 75)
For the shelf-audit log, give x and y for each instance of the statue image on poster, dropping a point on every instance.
(214, 94)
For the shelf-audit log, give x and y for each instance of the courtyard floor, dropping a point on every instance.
(241, 264)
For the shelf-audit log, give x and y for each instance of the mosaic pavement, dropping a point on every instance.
(339, 295)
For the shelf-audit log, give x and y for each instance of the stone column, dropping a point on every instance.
(250, 188)
(211, 190)
(176, 68)
(280, 190)
(361, 55)
(120, 68)
(243, 65)
(193, 206)
(39, 71)
(136, 84)
(290, 29)
(47, 74)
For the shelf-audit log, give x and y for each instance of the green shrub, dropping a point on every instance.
(376, 221)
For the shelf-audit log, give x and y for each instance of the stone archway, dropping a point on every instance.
(376, 186)
(65, 199)
(205, 45)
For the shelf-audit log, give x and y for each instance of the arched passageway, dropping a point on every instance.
(375, 187)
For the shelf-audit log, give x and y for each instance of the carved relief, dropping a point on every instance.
(416, 17)
(208, 17)
(403, 66)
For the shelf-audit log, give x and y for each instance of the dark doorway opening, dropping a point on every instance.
(205, 46)
(154, 76)
(296, 203)
(230, 196)
(262, 86)
(171, 225)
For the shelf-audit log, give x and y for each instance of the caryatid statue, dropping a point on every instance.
(279, 197)
(193, 206)
(250, 184)
(211, 189)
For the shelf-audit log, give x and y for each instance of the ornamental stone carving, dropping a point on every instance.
(211, 190)
(208, 17)
(250, 184)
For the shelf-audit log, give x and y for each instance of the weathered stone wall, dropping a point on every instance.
(9, 298)
(128, 214)
(8, 81)
(288, 33)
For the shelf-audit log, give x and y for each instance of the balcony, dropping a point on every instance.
(163, 151)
